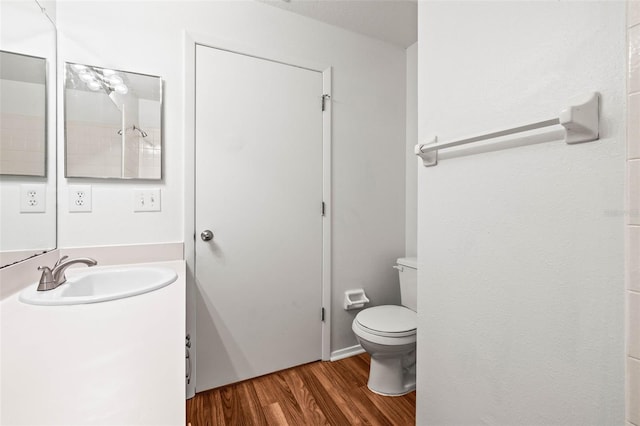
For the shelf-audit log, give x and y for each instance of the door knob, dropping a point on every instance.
(206, 235)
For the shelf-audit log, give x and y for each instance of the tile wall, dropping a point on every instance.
(633, 228)
(150, 154)
(92, 149)
(97, 151)
(22, 145)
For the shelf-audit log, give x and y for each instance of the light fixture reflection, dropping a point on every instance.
(86, 77)
(100, 78)
(115, 80)
(94, 85)
(121, 89)
(79, 68)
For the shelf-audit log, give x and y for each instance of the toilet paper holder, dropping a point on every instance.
(355, 299)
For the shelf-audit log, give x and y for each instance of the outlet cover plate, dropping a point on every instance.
(79, 198)
(33, 198)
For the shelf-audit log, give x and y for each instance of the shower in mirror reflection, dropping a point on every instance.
(134, 128)
(112, 123)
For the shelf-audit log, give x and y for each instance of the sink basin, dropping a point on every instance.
(101, 286)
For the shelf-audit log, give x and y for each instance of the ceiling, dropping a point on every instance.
(393, 21)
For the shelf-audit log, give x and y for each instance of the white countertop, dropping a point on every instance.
(120, 362)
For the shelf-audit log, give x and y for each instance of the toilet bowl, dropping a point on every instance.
(388, 334)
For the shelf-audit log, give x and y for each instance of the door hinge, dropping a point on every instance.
(322, 315)
(325, 98)
(323, 209)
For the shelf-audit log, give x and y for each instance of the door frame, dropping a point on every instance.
(190, 41)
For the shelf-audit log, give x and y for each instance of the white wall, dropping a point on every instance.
(368, 132)
(102, 111)
(411, 176)
(24, 98)
(521, 248)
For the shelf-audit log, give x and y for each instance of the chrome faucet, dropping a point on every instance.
(52, 278)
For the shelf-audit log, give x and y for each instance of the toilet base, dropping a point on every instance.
(390, 376)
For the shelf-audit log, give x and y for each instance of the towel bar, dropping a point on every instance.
(580, 121)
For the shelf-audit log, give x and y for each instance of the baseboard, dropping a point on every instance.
(346, 352)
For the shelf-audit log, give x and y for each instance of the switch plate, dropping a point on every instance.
(146, 200)
(33, 198)
(79, 198)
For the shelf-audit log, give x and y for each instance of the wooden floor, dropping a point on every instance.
(320, 393)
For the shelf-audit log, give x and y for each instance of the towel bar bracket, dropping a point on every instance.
(581, 119)
(429, 158)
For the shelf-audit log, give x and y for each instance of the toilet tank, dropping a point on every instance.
(408, 271)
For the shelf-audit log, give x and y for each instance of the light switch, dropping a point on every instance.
(146, 200)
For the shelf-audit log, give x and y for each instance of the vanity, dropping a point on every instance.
(81, 353)
(113, 362)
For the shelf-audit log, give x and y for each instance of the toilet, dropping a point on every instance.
(388, 334)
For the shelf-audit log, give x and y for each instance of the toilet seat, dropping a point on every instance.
(387, 321)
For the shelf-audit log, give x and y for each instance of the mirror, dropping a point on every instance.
(112, 123)
(23, 102)
(28, 129)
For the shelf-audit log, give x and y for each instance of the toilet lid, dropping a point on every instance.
(388, 320)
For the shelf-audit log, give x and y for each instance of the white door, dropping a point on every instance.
(259, 190)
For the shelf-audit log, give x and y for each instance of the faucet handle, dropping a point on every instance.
(46, 279)
(62, 259)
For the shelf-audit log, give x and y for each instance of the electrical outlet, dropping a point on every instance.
(146, 200)
(33, 198)
(79, 198)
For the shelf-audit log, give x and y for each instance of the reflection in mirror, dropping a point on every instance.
(23, 98)
(112, 123)
(27, 185)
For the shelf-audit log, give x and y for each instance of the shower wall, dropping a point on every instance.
(22, 128)
(633, 207)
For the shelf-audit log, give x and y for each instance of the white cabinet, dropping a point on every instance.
(117, 362)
